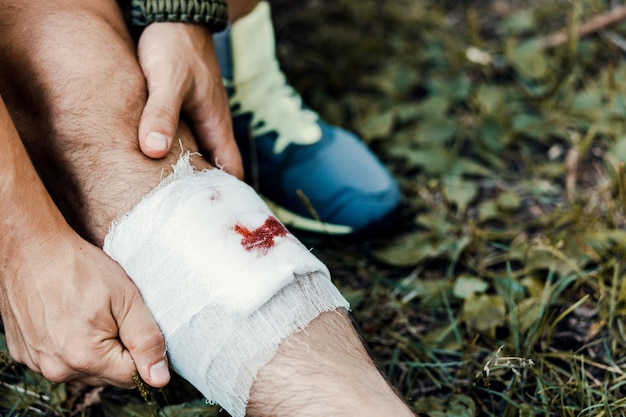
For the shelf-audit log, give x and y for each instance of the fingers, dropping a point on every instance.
(182, 72)
(107, 364)
(159, 121)
(143, 339)
(115, 366)
(215, 136)
(212, 126)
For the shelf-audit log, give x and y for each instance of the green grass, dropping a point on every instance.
(512, 247)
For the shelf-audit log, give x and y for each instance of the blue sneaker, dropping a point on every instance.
(315, 177)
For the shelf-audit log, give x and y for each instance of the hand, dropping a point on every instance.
(71, 313)
(182, 73)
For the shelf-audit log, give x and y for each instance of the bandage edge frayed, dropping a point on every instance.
(305, 299)
(180, 170)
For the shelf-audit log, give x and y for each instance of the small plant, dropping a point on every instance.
(513, 363)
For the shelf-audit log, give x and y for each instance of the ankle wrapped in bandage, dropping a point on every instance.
(223, 278)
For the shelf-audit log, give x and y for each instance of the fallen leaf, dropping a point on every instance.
(466, 286)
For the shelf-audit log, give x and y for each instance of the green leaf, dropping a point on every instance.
(430, 292)
(459, 192)
(509, 289)
(540, 188)
(588, 101)
(488, 210)
(519, 23)
(432, 160)
(529, 125)
(529, 60)
(377, 126)
(434, 222)
(492, 134)
(467, 285)
(528, 313)
(437, 161)
(618, 149)
(489, 99)
(508, 201)
(455, 88)
(550, 258)
(461, 406)
(483, 312)
(603, 240)
(465, 166)
(457, 405)
(411, 249)
(526, 410)
(408, 250)
(534, 286)
(589, 105)
(437, 131)
(433, 107)
(395, 80)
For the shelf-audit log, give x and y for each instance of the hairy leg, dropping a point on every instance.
(76, 93)
(324, 370)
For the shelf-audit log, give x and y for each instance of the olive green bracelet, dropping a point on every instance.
(213, 13)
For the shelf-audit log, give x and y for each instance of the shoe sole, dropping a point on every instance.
(291, 219)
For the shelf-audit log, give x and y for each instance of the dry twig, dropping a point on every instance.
(593, 25)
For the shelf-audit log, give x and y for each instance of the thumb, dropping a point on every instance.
(159, 121)
(142, 337)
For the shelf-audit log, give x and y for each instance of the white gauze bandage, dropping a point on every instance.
(224, 279)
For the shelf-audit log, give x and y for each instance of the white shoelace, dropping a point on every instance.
(275, 106)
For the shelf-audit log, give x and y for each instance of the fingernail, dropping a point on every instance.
(156, 141)
(159, 373)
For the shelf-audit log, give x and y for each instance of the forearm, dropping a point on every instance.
(28, 215)
(43, 266)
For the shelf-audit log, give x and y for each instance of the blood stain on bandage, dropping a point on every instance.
(262, 238)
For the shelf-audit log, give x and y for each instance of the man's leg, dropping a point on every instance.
(76, 94)
(327, 360)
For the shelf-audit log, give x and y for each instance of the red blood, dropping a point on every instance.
(262, 238)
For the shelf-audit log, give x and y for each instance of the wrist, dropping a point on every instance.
(28, 216)
(25, 233)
